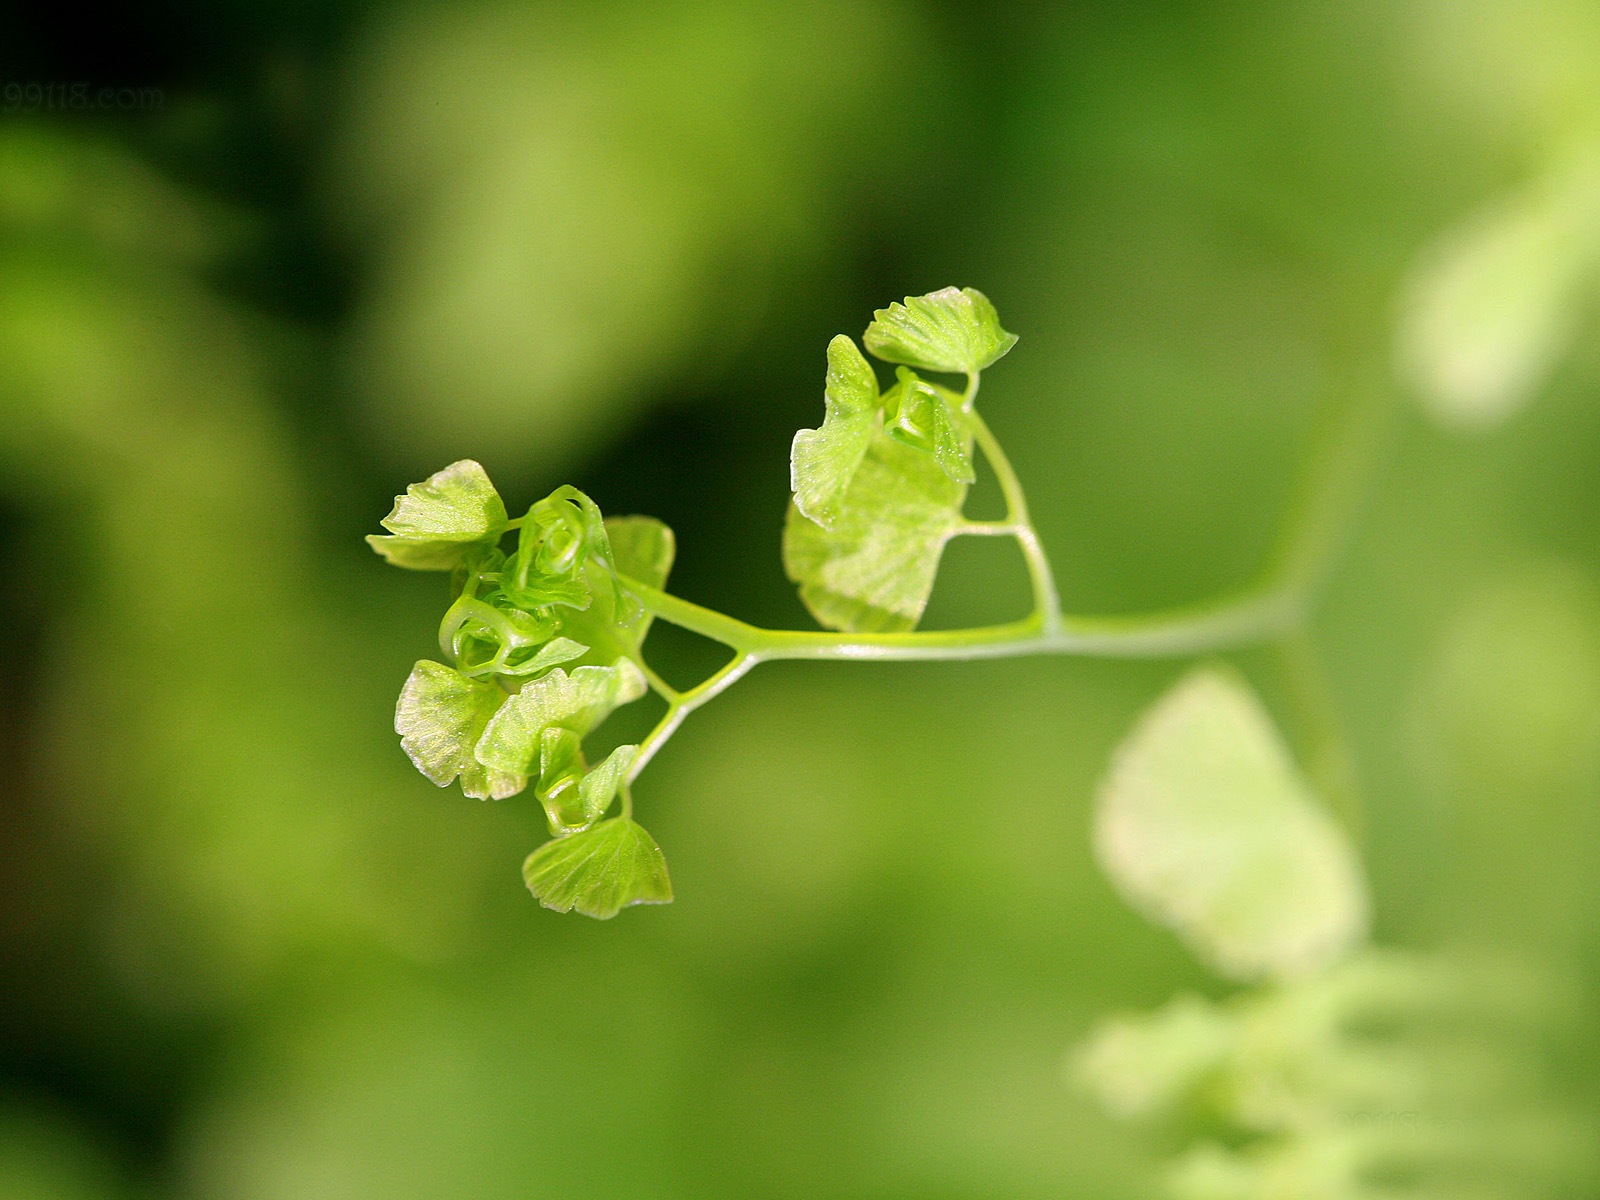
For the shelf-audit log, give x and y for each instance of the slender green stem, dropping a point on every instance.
(679, 706)
(1046, 601)
(1274, 607)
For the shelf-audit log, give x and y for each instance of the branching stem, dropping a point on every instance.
(1273, 607)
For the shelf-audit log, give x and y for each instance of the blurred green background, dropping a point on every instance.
(318, 251)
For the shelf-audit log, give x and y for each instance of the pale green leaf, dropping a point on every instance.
(874, 570)
(599, 786)
(437, 520)
(1494, 303)
(1145, 1064)
(1204, 824)
(440, 717)
(579, 702)
(952, 329)
(599, 871)
(823, 461)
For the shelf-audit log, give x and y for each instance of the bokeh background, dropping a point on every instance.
(302, 255)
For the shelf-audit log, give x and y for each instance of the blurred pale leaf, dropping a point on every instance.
(1494, 303)
(1204, 825)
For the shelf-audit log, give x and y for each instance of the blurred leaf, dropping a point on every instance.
(579, 702)
(436, 521)
(874, 570)
(822, 462)
(1494, 303)
(566, 206)
(954, 330)
(600, 871)
(440, 717)
(1137, 1066)
(1204, 825)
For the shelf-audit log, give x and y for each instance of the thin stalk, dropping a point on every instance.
(1046, 600)
(677, 710)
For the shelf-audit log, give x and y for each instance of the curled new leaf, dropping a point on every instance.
(823, 461)
(573, 796)
(954, 330)
(1205, 825)
(438, 520)
(928, 418)
(440, 716)
(599, 871)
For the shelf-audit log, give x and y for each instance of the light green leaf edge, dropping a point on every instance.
(954, 329)
(440, 716)
(437, 520)
(822, 462)
(578, 701)
(1204, 824)
(599, 871)
(599, 787)
(874, 570)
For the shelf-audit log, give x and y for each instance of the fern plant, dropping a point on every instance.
(545, 632)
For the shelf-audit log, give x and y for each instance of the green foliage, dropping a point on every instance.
(824, 461)
(1204, 824)
(880, 486)
(1387, 1066)
(438, 520)
(579, 702)
(874, 569)
(440, 718)
(599, 871)
(509, 710)
(948, 330)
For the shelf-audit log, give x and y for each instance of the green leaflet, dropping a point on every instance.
(822, 462)
(928, 417)
(1204, 824)
(954, 330)
(874, 569)
(599, 871)
(439, 519)
(440, 716)
(511, 742)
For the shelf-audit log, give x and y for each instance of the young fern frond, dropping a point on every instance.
(545, 639)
